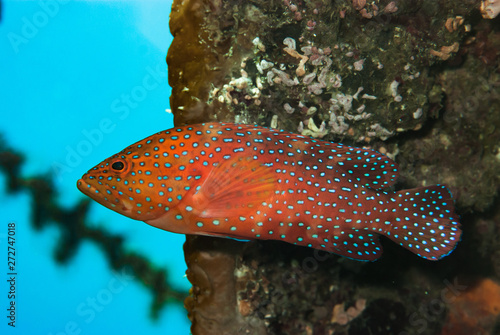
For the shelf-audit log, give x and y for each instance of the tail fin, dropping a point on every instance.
(425, 222)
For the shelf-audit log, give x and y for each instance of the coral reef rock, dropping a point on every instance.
(417, 81)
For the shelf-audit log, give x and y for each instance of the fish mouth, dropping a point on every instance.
(93, 192)
(114, 203)
(86, 188)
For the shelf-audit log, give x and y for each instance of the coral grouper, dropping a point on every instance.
(250, 182)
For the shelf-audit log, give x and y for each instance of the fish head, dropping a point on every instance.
(137, 182)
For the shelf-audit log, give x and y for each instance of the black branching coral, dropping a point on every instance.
(74, 229)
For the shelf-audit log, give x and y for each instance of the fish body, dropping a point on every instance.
(251, 182)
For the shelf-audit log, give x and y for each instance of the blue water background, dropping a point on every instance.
(79, 81)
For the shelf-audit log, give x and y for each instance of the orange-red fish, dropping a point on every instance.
(250, 182)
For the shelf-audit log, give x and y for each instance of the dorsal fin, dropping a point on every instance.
(367, 166)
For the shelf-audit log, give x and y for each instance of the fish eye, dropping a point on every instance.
(118, 166)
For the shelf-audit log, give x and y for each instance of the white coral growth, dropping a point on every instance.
(490, 8)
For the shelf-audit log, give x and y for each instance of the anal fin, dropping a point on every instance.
(362, 246)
